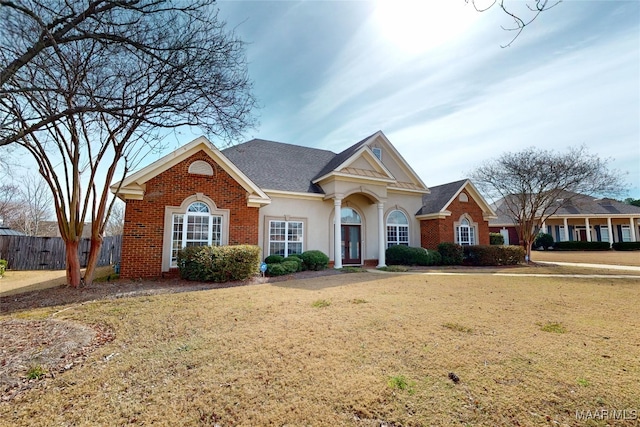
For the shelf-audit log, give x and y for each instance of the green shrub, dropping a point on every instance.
(581, 246)
(543, 240)
(3, 266)
(276, 270)
(296, 259)
(274, 259)
(219, 263)
(314, 260)
(496, 239)
(451, 253)
(626, 246)
(493, 255)
(407, 255)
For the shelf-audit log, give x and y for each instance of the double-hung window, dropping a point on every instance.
(465, 233)
(285, 237)
(397, 229)
(196, 227)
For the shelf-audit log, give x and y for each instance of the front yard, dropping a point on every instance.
(358, 349)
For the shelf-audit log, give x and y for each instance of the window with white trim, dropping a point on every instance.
(285, 237)
(397, 229)
(604, 234)
(377, 152)
(465, 233)
(196, 227)
(626, 233)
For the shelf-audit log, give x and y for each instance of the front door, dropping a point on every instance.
(351, 244)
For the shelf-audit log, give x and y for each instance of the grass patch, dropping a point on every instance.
(353, 270)
(36, 372)
(394, 268)
(400, 382)
(256, 355)
(553, 327)
(321, 303)
(583, 382)
(458, 327)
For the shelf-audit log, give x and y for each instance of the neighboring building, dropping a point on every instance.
(6, 231)
(288, 199)
(579, 218)
(50, 229)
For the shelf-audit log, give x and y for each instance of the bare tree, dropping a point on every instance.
(104, 99)
(521, 13)
(33, 205)
(115, 223)
(527, 185)
(9, 192)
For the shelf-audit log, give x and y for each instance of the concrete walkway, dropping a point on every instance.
(598, 266)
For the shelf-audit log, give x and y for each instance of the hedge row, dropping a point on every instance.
(3, 266)
(581, 246)
(493, 255)
(408, 255)
(453, 254)
(219, 263)
(626, 246)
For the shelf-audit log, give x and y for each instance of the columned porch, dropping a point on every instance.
(610, 229)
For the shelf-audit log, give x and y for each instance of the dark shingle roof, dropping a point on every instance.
(341, 157)
(278, 166)
(439, 197)
(575, 204)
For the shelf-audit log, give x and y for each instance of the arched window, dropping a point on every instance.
(465, 233)
(397, 229)
(350, 216)
(196, 227)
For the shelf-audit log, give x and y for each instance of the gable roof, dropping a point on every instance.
(279, 166)
(575, 204)
(441, 196)
(132, 187)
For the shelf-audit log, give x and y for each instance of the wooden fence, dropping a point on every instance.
(49, 253)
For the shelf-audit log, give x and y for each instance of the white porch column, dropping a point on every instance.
(610, 231)
(632, 226)
(381, 234)
(586, 224)
(337, 246)
(544, 227)
(566, 230)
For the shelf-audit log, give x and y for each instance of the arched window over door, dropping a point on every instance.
(397, 229)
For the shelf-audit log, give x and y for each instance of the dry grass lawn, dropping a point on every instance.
(354, 349)
(17, 281)
(589, 257)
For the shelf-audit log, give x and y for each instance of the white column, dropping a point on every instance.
(337, 233)
(632, 225)
(544, 227)
(586, 224)
(381, 234)
(566, 230)
(610, 231)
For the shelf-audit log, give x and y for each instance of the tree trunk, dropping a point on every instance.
(92, 262)
(73, 263)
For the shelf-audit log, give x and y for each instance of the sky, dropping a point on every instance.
(434, 77)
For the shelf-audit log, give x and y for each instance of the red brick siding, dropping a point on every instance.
(435, 231)
(144, 219)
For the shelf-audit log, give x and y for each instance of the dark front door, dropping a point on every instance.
(583, 235)
(351, 244)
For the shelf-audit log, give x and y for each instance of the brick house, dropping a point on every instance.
(454, 212)
(288, 199)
